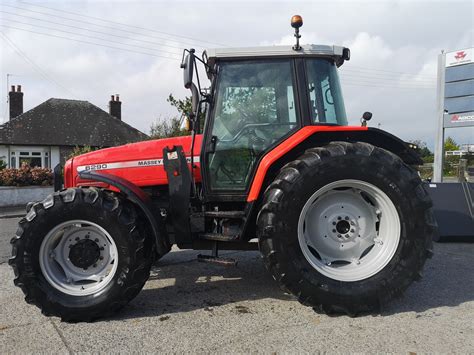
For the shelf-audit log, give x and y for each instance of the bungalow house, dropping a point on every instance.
(45, 135)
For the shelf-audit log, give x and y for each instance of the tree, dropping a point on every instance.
(450, 145)
(184, 107)
(80, 150)
(422, 149)
(451, 161)
(165, 128)
(172, 127)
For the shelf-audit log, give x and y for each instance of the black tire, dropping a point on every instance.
(285, 197)
(110, 211)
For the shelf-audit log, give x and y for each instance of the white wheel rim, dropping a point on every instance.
(349, 230)
(64, 272)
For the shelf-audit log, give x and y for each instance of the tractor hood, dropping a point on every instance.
(140, 163)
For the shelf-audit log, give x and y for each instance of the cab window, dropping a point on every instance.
(326, 102)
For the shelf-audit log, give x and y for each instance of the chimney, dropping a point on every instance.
(115, 106)
(16, 101)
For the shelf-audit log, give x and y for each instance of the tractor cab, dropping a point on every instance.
(258, 98)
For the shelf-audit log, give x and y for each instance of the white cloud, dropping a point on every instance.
(387, 38)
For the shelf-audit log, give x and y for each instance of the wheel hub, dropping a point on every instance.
(348, 230)
(343, 227)
(84, 253)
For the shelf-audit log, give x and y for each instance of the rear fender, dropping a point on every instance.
(314, 136)
(138, 197)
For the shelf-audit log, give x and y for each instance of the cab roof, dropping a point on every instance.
(312, 50)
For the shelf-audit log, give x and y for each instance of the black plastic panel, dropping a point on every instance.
(454, 210)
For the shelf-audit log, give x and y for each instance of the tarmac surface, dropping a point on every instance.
(188, 306)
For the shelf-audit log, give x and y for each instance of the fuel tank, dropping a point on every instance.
(140, 163)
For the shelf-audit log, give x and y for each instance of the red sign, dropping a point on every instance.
(460, 55)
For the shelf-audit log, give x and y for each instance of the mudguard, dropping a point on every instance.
(140, 199)
(313, 136)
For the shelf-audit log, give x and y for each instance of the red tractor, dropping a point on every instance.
(343, 221)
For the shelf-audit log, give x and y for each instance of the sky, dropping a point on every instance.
(133, 48)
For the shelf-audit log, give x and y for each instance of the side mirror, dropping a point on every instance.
(188, 69)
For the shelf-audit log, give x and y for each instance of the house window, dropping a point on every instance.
(33, 157)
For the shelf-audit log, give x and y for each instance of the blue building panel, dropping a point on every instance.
(459, 104)
(459, 72)
(459, 88)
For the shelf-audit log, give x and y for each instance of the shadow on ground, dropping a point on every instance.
(179, 283)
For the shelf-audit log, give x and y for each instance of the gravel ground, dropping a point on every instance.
(188, 306)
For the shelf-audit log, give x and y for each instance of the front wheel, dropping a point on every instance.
(346, 227)
(81, 254)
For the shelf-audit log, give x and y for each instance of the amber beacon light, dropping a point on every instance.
(296, 23)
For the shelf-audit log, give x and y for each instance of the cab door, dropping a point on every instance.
(255, 108)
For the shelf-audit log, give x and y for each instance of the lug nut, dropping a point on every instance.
(334, 231)
(352, 223)
(101, 248)
(101, 257)
(352, 231)
(339, 236)
(96, 240)
(333, 223)
(339, 218)
(77, 239)
(347, 218)
(88, 236)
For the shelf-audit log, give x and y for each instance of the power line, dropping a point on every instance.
(98, 25)
(374, 85)
(388, 71)
(94, 37)
(87, 29)
(373, 72)
(92, 43)
(401, 80)
(123, 24)
(35, 66)
(384, 76)
(378, 82)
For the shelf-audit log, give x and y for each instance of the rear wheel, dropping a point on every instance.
(82, 254)
(346, 227)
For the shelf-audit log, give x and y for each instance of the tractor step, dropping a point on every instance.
(216, 260)
(219, 237)
(225, 214)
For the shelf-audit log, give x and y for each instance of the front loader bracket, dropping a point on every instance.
(179, 184)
